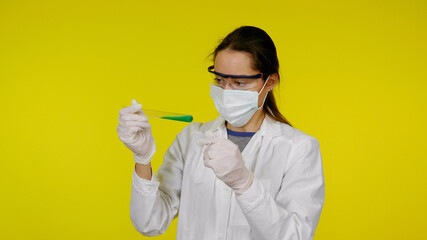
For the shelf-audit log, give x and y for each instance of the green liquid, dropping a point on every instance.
(186, 118)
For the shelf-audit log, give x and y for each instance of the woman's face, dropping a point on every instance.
(239, 63)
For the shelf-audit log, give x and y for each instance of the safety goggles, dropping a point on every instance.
(237, 82)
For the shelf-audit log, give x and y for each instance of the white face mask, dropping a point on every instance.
(236, 106)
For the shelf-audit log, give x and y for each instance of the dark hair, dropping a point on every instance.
(259, 45)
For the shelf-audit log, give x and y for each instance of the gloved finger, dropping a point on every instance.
(139, 112)
(133, 117)
(207, 157)
(135, 129)
(206, 163)
(134, 102)
(205, 141)
(209, 133)
(138, 124)
(131, 109)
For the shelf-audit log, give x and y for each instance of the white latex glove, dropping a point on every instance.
(134, 131)
(224, 158)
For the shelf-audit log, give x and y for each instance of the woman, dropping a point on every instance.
(246, 175)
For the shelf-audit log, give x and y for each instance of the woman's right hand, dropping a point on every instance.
(134, 131)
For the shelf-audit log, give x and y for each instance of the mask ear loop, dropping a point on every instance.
(265, 94)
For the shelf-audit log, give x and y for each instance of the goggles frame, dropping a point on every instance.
(256, 76)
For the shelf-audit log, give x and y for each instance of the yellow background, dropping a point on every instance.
(353, 76)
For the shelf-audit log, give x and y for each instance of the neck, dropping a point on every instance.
(253, 125)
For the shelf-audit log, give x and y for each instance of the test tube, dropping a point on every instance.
(168, 115)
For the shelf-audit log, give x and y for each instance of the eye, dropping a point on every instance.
(239, 83)
(218, 81)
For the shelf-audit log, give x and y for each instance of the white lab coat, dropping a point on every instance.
(284, 201)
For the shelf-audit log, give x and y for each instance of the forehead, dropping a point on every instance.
(234, 63)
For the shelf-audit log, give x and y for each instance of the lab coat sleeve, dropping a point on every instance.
(154, 204)
(295, 211)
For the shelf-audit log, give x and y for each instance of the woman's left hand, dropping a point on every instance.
(224, 158)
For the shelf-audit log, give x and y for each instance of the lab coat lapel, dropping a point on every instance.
(269, 128)
(251, 151)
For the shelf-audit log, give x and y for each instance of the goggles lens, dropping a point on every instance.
(237, 82)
